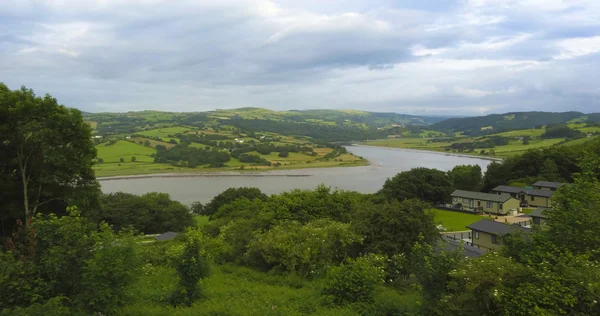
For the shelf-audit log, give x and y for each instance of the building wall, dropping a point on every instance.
(493, 208)
(538, 201)
(485, 240)
(511, 204)
(531, 200)
(539, 221)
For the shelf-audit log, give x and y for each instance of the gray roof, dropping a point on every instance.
(540, 212)
(468, 250)
(480, 196)
(166, 236)
(496, 228)
(528, 191)
(548, 184)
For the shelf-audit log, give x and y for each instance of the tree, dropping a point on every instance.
(68, 257)
(353, 281)
(426, 184)
(284, 154)
(393, 227)
(466, 177)
(133, 159)
(576, 211)
(526, 140)
(197, 208)
(147, 143)
(231, 195)
(121, 160)
(46, 154)
(304, 248)
(550, 171)
(191, 266)
(150, 213)
(100, 160)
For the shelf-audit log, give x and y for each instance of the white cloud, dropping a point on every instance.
(494, 55)
(577, 47)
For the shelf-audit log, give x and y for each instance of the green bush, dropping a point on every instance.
(191, 266)
(353, 281)
(305, 249)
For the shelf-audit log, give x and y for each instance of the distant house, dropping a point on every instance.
(540, 215)
(166, 236)
(529, 196)
(484, 202)
(127, 137)
(486, 233)
(97, 136)
(240, 141)
(547, 185)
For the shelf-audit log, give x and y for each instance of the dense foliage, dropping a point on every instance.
(542, 164)
(426, 184)
(46, 157)
(502, 122)
(150, 213)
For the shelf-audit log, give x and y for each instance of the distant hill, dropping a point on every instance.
(495, 123)
(325, 125)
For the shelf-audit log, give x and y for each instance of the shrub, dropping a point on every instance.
(133, 159)
(284, 154)
(353, 281)
(191, 266)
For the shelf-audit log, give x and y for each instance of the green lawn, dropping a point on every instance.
(454, 221)
(201, 220)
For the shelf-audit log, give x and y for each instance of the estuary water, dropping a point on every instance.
(385, 163)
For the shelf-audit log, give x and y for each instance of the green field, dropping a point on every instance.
(165, 131)
(522, 132)
(125, 149)
(454, 221)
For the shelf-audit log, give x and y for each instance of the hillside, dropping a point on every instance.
(496, 123)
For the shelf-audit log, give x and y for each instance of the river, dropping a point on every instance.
(385, 163)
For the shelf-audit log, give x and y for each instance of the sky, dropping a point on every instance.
(443, 57)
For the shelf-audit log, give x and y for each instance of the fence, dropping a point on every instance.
(468, 243)
(449, 207)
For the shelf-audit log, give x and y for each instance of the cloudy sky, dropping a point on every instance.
(463, 57)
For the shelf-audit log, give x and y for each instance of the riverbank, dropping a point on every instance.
(434, 151)
(257, 171)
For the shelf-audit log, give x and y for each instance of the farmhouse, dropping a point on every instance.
(547, 185)
(529, 196)
(486, 233)
(540, 215)
(484, 202)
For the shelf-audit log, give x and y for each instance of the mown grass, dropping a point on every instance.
(454, 221)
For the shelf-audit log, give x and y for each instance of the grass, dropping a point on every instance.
(125, 149)
(527, 210)
(201, 220)
(522, 132)
(92, 124)
(454, 221)
(233, 290)
(165, 131)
